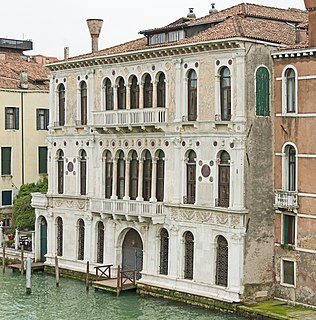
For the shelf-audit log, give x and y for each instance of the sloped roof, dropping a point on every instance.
(12, 66)
(256, 22)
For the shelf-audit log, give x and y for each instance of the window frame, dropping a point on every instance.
(286, 169)
(41, 159)
(225, 91)
(161, 91)
(2, 197)
(282, 273)
(285, 88)
(60, 171)
(223, 202)
(286, 217)
(121, 94)
(83, 172)
(147, 91)
(134, 92)
(192, 98)
(190, 183)
(83, 95)
(263, 105)
(147, 176)
(12, 118)
(42, 118)
(6, 164)
(61, 96)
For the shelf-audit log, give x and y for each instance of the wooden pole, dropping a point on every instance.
(87, 277)
(118, 280)
(57, 271)
(28, 275)
(22, 259)
(3, 258)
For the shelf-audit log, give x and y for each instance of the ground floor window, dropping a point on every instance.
(288, 272)
(288, 229)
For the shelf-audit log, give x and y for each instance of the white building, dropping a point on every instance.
(160, 156)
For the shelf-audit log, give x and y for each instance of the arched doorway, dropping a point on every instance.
(43, 238)
(132, 252)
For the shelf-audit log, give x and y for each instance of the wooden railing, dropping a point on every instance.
(103, 272)
(125, 278)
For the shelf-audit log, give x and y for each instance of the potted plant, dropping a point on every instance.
(10, 233)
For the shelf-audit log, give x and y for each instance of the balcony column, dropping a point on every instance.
(140, 181)
(127, 174)
(153, 181)
(114, 182)
(141, 95)
(115, 97)
(128, 96)
(154, 97)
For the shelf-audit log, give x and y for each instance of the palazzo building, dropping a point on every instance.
(295, 166)
(160, 155)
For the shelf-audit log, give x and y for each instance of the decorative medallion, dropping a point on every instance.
(205, 171)
(70, 166)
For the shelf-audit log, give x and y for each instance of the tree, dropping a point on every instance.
(23, 215)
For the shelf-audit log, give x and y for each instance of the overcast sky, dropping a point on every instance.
(53, 25)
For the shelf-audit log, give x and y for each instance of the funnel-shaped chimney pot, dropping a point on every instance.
(95, 26)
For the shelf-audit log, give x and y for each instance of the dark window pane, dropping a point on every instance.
(225, 94)
(42, 160)
(188, 255)
(222, 262)
(288, 272)
(192, 96)
(6, 198)
(6, 161)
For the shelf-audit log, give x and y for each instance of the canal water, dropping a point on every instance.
(70, 301)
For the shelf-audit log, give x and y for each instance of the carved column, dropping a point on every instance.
(114, 182)
(155, 94)
(140, 181)
(115, 97)
(128, 97)
(127, 174)
(153, 181)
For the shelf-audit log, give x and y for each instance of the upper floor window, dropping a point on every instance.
(290, 90)
(83, 172)
(120, 176)
(108, 90)
(83, 102)
(42, 160)
(147, 176)
(121, 94)
(288, 229)
(60, 171)
(262, 92)
(134, 94)
(108, 168)
(225, 94)
(223, 180)
(161, 91)
(148, 92)
(160, 180)
(290, 168)
(191, 177)
(192, 95)
(11, 118)
(133, 182)
(61, 105)
(42, 119)
(6, 161)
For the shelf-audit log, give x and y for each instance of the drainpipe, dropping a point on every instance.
(22, 132)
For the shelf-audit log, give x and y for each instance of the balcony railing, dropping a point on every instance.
(132, 117)
(127, 207)
(286, 199)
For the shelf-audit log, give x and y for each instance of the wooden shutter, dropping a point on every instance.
(16, 118)
(6, 160)
(42, 160)
(262, 92)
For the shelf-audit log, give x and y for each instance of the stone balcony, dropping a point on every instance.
(130, 210)
(129, 118)
(286, 200)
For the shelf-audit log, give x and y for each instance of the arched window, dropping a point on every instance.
(188, 255)
(100, 242)
(192, 95)
(222, 262)
(134, 96)
(108, 90)
(191, 177)
(223, 180)
(59, 236)
(60, 171)
(83, 103)
(290, 90)
(160, 179)
(121, 175)
(61, 105)
(161, 91)
(133, 176)
(225, 94)
(148, 92)
(164, 251)
(121, 94)
(108, 174)
(80, 239)
(290, 154)
(262, 92)
(83, 172)
(147, 176)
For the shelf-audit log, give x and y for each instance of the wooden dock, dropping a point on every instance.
(125, 280)
(35, 266)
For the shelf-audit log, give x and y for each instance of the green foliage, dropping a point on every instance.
(23, 215)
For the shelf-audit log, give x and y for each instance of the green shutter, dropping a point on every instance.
(5, 160)
(285, 229)
(46, 118)
(262, 92)
(16, 118)
(42, 160)
(6, 198)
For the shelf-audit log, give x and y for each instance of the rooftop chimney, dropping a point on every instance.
(311, 8)
(301, 35)
(66, 53)
(191, 14)
(24, 80)
(213, 10)
(95, 26)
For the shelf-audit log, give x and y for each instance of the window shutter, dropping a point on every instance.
(262, 92)
(285, 229)
(6, 161)
(42, 160)
(37, 119)
(46, 118)
(7, 118)
(16, 118)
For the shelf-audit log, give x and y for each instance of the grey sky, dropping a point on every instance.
(53, 25)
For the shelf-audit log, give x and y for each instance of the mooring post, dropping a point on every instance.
(87, 277)
(118, 280)
(3, 258)
(57, 271)
(28, 275)
(22, 259)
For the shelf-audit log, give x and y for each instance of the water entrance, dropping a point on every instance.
(71, 301)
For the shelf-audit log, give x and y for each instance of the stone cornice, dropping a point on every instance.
(294, 53)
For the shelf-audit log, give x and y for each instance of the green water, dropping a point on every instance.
(71, 301)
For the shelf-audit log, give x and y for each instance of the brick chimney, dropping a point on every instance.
(311, 8)
(24, 80)
(95, 26)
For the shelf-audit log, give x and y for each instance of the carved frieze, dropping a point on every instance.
(70, 203)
